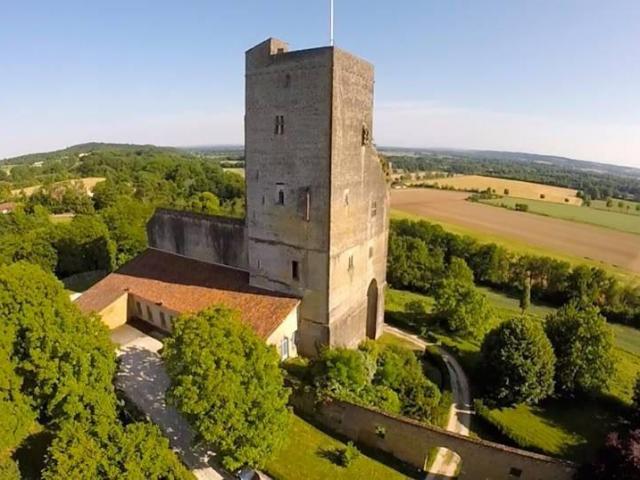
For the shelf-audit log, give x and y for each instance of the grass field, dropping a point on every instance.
(514, 188)
(608, 218)
(602, 205)
(309, 453)
(562, 428)
(519, 246)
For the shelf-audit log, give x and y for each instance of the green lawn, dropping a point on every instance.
(520, 247)
(568, 429)
(613, 218)
(308, 455)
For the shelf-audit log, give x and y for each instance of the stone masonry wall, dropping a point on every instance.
(207, 238)
(410, 441)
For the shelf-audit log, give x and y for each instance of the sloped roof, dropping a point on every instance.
(185, 285)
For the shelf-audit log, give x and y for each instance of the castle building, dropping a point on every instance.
(316, 224)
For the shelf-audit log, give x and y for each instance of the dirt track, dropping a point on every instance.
(575, 239)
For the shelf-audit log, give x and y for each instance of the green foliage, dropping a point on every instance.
(126, 220)
(517, 363)
(137, 451)
(8, 468)
(346, 456)
(525, 295)
(68, 197)
(15, 408)
(228, 384)
(551, 280)
(84, 245)
(412, 264)
(27, 237)
(583, 345)
(388, 377)
(66, 360)
(460, 306)
(108, 192)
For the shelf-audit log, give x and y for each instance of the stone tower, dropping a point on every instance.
(317, 198)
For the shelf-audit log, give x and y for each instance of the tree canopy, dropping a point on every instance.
(228, 384)
(583, 345)
(459, 305)
(517, 363)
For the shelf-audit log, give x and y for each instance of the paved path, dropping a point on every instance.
(446, 463)
(143, 378)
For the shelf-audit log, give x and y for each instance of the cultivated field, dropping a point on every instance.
(566, 238)
(613, 218)
(89, 184)
(516, 188)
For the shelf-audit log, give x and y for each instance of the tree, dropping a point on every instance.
(618, 459)
(459, 305)
(84, 245)
(126, 220)
(228, 384)
(65, 359)
(583, 345)
(517, 363)
(136, 451)
(525, 296)
(107, 193)
(27, 237)
(412, 264)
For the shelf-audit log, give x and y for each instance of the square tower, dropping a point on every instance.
(317, 197)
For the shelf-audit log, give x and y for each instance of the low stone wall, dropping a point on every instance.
(208, 238)
(410, 441)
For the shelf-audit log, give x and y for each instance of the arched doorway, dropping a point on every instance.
(372, 309)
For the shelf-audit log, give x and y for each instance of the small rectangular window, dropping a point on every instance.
(279, 125)
(515, 472)
(139, 309)
(370, 252)
(149, 314)
(374, 208)
(280, 194)
(163, 320)
(307, 209)
(350, 262)
(284, 349)
(295, 270)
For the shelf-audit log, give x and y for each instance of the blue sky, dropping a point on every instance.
(545, 76)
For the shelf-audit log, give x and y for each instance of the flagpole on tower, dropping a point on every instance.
(331, 24)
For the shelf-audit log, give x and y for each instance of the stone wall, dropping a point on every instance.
(410, 441)
(207, 238)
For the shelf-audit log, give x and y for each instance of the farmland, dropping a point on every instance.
(563, 239)
(515, 188)
(88, 183)
(598, 214)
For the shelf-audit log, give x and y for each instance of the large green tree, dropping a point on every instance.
(583, 344)
(84, 245)
(65, 359)
(517, 363)
(126, 220)
(228, 384)
(459, 305)
(137, 451)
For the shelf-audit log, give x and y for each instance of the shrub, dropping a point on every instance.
(347, 455)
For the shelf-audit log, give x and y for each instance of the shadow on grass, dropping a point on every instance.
(331, 454)
(382, 457)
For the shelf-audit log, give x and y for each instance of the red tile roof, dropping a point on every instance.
(185, 285)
